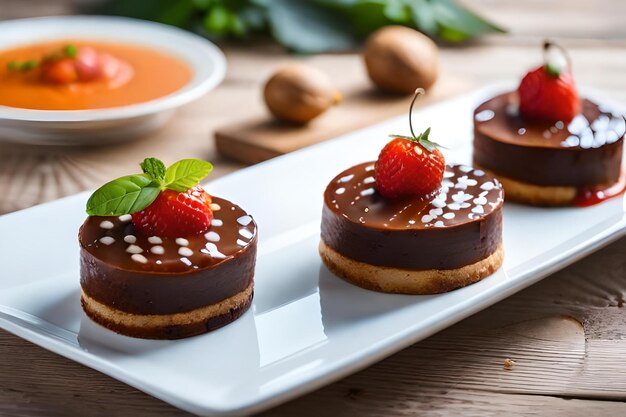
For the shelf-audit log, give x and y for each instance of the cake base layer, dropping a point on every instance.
(535, 195)
(169, 326)
(407, 281)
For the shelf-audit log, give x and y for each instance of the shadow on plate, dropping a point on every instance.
(345, 304)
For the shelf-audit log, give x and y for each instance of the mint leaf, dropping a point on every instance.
(124, 195)
(154, 167)
(186, 173)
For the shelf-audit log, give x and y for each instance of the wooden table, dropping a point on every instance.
(566, 335)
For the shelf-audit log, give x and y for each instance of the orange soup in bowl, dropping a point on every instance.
(84, 75)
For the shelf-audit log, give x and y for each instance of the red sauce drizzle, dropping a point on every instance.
(589, 196)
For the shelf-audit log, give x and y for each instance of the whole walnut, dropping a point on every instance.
(299, 93)
(399, 59)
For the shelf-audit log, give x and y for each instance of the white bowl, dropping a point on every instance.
(117, 123)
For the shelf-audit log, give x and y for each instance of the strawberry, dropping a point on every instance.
(548, 93)
(409, 166)
(164, 202)
(174, 214)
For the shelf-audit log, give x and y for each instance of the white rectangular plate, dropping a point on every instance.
(307, 328)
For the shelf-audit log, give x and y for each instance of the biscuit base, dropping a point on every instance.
(169, 326)
(408, 281)
(535, 195)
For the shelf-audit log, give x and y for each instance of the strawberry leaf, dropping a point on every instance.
(124, 195)
(422, 139)
(428, 145)
(154, 167)
(186, 173)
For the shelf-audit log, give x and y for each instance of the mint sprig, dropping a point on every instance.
(154, 167)
(133, 193)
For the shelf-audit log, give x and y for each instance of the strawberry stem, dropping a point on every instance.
(422, 138)
(555, 64)
(418, 92)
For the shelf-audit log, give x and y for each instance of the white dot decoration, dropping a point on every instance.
(484, 115)
(106, 224)
(212, 236)
(107, 240)
(157, 250)
(134, 249)
(155, 240)
(139, 258)
(244, 220)
(185, 251)
(246, 234)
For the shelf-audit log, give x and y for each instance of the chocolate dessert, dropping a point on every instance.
(548, 146)
(548, 163)
(161, 285)
(413, 244)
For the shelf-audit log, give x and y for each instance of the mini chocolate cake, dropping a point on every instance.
(160, 288)
(548, 164)
(417, 244)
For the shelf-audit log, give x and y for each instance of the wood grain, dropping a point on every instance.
(567, 334)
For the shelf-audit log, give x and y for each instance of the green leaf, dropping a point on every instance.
(186, 173)
(217, 21)
(172, 12)
(458, 24)
(397, 11)
(423, 16)
(254, 17)
(202, 4)
(368, 15)
(70, 51)
(23, 66)
(154, 167)
(307, 27)
(124, 195)
(422, 139)
(236, 27)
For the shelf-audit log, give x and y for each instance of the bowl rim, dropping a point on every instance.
(200, 84)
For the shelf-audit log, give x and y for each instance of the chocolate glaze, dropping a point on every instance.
(222, 264)
(458, 226)
(587, 151)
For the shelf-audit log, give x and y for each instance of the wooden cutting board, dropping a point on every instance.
(262, 137)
